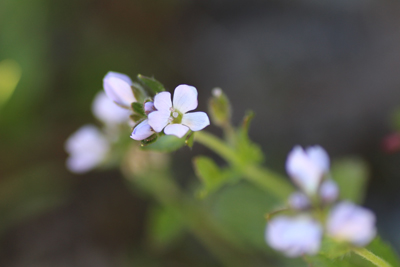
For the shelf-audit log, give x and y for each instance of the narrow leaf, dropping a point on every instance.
(166, 143)
(152, 84)
(138, 108)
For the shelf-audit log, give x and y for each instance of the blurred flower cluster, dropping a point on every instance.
(313, 210)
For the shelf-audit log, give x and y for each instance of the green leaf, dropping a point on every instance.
(165, 227)
(166, 143)
(136, 118)
(10, 73)
(220, 108)
(152, 84)
(138, 92)
(351, 175)
(138, 108)
(190, 140)
(332, 249)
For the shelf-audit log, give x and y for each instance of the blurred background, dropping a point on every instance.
(314, 71)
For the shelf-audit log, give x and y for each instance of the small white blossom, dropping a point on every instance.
(328, 191)
(142, 131)
(294, 236)
(108, 112)
(299, 201)
(351, 223)
(118, 88)
(87, 148)
(173, 116)
(307, 167)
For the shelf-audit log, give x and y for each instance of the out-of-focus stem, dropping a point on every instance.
(262, 177)
(368, 255)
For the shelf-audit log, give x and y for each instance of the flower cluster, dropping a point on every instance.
(151, 113)
(315, 210)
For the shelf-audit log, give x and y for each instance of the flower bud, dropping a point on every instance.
(108, 112)
(142, 131)
(351, 223)
(294, 236)
(118, 88)
(328, 191)
(299, 201)
(219, 107)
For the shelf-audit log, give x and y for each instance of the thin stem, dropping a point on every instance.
(368, 255)
(270, 181)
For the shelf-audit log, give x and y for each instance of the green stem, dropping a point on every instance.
(266, 179)
(368, 255)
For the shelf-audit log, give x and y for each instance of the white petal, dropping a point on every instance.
(120, 76)
(329, 191)
(118, 88)
(162, 101)
(294, 236)
(196, 121)
(87, 148)
(142, 131)
(178, 130)
(185, 98)
(108, 112)
(159, 119)
(351, 223)
(319, 157)
(303, 171)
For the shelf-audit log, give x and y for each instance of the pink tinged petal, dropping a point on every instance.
(162, 101)
(178, 130)
(108, 112)
(196, 121)
(142, 131)
(185, 98)
(329, 191)
(351, 223)
(294, 236)
(118, 88)
(149, 107)
(304, 171)
(319, 157)
(159, 119)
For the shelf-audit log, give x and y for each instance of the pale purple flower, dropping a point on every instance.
(108, 112)
(294, 236)
(142, 131)
(307, 167)
(118, 88)
(299, 201)
(87, 148)
(172, 117)
(351, 223)
(329, 191)
(149, 107)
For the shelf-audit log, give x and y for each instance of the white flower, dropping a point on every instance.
(108, 112)
(328, 191)
(307, 168)
(142, 131)
(173, 117)
(87, 148)
(118, 88)
(294, 236)
(351, 223)
(299, 201)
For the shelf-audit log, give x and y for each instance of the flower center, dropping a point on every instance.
(176, 116)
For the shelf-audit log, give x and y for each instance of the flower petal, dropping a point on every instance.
(149, 107)
(159, 119)
(108, 112)
(142, 131)
(178, 130)
(185, 98)
(196, 121)
(162, 101)
(118, 88)
(329, 191)
(351, 223)
(319, 157)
